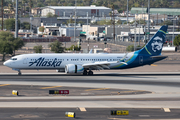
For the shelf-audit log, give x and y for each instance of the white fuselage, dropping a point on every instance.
(59, 61)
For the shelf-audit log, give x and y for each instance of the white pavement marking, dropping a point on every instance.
(118, 119)
(82, 109)
(166, 110)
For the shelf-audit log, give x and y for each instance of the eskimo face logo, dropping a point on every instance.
(157, 44)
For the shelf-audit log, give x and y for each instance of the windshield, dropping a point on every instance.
(13, 59)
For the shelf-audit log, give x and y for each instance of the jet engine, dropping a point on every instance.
(72, 68)
(60, 70)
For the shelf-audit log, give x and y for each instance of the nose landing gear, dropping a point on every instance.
(19, 71)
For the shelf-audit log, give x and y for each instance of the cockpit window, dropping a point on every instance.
(13, 59)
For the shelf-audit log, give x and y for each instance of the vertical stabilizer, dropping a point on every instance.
(155, 45)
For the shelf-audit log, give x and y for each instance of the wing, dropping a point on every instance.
(100, 65)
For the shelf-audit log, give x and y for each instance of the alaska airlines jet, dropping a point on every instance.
(85, 63)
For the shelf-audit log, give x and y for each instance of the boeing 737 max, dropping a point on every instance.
(85, 63)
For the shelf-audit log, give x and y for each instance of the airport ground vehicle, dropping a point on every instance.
(101, 39)
(85, 63)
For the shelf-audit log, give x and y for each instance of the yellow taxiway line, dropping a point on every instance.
(96, 89)
(50, 87)
(4, 85)
(153, 65)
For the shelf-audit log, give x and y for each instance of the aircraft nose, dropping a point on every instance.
(6, 63)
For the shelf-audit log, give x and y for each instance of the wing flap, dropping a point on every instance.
(104, 64)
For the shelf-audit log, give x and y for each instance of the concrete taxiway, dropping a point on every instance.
(161, 87)
(156, 93)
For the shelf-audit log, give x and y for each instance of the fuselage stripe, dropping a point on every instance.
(147, 50)
(162, 31)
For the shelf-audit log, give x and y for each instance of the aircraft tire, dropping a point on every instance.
(19, 73)
(85, 72)
(90, 73)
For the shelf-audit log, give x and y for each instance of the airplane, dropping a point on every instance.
(85, 63)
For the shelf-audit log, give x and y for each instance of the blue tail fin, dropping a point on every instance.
(155, 45)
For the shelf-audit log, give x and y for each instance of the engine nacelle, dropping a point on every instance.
(60, 70)
(72, 68)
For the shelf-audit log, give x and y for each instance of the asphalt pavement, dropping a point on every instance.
(87, 114)
(148, 93)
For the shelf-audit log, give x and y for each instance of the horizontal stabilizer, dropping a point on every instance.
(160, 56)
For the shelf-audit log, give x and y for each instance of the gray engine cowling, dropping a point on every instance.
(72, 68)
(60, 70)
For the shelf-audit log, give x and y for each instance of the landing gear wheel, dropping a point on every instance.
(85, 72)
(19, 73)
(90, 73)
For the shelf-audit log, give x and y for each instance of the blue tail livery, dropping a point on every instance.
(155, 45)
(149, 54)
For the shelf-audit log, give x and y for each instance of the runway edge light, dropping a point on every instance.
(15, 92)
(119, 112)
(70, 114)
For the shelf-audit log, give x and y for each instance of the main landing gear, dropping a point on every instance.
(88, 73)
(85, 72)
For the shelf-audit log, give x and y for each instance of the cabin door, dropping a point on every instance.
(25, 61)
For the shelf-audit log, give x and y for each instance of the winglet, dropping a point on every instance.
(124, 57)
(90, 52)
